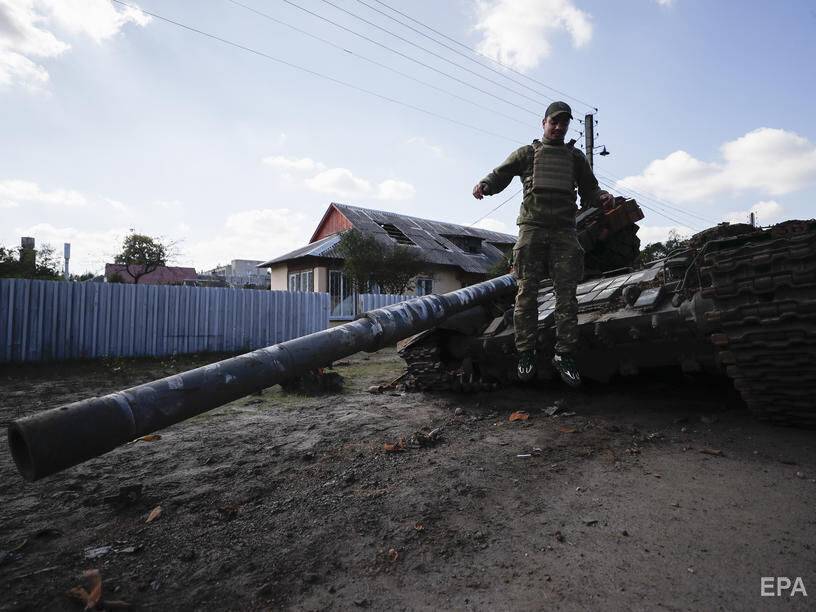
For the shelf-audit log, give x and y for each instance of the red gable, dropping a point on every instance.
(333, 221)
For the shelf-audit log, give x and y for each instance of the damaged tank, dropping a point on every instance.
(734, 300)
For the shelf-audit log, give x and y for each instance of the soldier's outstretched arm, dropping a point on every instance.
(500, 178)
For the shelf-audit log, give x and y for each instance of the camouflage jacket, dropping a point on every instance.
(555, 211)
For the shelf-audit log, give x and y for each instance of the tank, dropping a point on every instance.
(735, 301)
(61, 437)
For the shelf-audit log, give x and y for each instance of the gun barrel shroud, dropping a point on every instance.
(56, 439)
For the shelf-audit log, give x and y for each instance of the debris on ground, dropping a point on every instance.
(154, 514)
(424, 438)
(519, 415)
(713, 452)
(149, 438)
(99, 551)
(395, 447)
(90, 593)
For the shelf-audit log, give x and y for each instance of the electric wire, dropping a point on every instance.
(409, 58)
(495, 61)
(313, 72)
(374, 62)
(426, 50)
(658, 200)
(647, 207)
(456, 51)
(492, 210)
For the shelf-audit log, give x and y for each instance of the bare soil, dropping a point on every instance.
(657, 493)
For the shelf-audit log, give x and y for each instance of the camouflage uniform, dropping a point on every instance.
(548, 243)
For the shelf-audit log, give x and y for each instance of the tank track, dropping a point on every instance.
(764, 290)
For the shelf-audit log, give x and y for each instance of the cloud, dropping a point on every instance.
(304, 164)
(342, 183)
(768, 160)
(517, 32)
(13, 192)
(339, 182)
(766, 212)
(665, 2)
(169, 204)
(659, 233)
(27, 36)
(252, 234)
(421, 142)
(492, 225)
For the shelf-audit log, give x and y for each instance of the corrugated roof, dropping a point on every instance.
(428, 235)
(320, 248)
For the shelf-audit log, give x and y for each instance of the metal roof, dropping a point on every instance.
(425, 234)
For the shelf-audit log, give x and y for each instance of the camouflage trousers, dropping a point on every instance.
(547, 253)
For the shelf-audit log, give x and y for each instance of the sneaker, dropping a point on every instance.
(527, 366)
(567, 368)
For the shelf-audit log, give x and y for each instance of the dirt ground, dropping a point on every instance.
(657, 493)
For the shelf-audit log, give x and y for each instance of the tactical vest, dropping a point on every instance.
(553, 169)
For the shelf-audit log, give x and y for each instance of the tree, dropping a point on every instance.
(44, 267)
(368, 263)
(659, 250)
(142, 255)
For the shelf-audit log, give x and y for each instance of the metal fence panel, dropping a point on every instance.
(53, 320)
(370, 301)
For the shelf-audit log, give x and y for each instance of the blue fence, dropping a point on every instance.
(370, 301)
(54, 321)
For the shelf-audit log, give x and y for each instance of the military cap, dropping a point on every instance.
(557, 108)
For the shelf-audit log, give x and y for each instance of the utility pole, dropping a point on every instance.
(589, 137)
(752, 219)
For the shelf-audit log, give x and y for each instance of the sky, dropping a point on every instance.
(203, 132)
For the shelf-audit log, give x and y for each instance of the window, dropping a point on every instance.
(424, 286)
(301, 281)
(397, 234)
(342, 297)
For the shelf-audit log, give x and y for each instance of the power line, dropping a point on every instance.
(654, 210)
(426, 50)
(409, 58)
(313, 72)
(655, 199)
(495, 61)
(374, 62)
(491, 211)
(454, 50)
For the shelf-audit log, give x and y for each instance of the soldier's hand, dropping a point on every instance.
(478, 191)
(606, 201)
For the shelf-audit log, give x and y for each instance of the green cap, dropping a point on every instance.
(556, 108)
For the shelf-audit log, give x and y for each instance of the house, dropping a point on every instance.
(240, 273)
(163, 275)
(457, 255)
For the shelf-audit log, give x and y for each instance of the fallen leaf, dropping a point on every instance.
(95, 593)
(419, 526)
(711, 451)
(393, 555)
(566, 429)
(154, 514)
(519, 415)
(149, 438)
(395, 447)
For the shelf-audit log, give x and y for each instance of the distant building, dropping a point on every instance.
(457, 255)
(163, 275)
(241, 273)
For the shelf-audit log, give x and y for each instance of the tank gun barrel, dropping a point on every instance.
(56, 439)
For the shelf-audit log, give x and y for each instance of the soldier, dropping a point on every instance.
(548, 242)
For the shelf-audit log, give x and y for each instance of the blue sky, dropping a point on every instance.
(113, 120)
